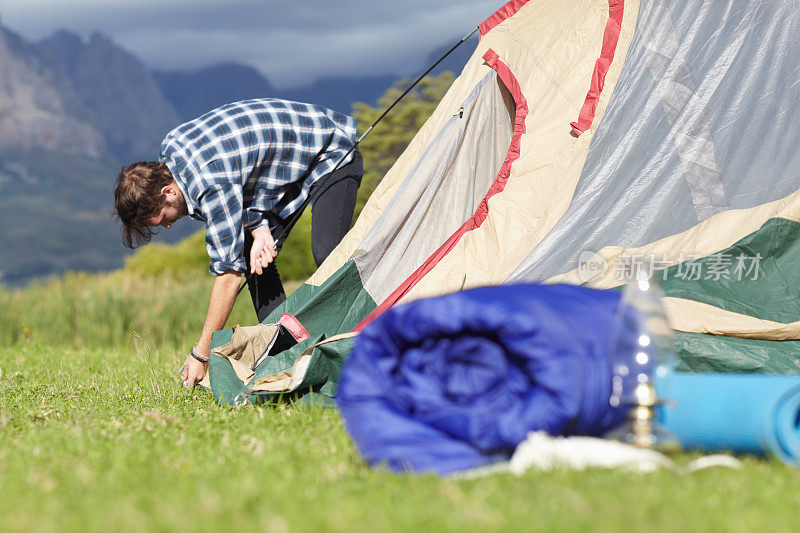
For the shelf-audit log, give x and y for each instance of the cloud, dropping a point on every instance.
(290, 42)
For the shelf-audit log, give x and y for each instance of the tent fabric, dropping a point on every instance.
(701, 124)
(531, 55)
(690, 161)
(248, 343)
(553, 78)
(481, 210)
(446, 192)
(307, 368)
(616, 9)
(699, 352)
(697, 151)
(501, 15)
(458, 381)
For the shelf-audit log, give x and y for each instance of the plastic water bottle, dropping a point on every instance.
(643, 351)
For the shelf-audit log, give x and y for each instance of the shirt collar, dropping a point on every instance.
(192, 208)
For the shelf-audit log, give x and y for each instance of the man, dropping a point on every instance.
(245, 169)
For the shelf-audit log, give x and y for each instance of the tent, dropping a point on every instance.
(580, 139)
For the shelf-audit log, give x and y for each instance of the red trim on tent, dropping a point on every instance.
(294, 326)
(508, 10)
(482, 211)
(601, 66)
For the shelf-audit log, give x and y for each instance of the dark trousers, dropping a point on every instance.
(332, 205)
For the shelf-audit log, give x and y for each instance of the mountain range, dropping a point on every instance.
(72, 110)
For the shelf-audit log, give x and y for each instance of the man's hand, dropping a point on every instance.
(223, 295)
(263, 251)
(193, 371)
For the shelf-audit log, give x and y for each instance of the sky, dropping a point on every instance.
(291, 42)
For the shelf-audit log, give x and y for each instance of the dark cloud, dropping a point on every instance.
(289, 41)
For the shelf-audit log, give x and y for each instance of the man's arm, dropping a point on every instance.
(222, 211)
(223, 296)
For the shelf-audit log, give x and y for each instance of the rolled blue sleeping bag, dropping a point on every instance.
(743, 413)
(455, 382)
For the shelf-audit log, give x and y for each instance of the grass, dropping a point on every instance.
(94, 437)
(96, 432)
(106, 311)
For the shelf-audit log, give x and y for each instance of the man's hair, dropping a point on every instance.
(137, 197)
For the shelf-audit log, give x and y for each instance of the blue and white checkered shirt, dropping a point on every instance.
(242, 164)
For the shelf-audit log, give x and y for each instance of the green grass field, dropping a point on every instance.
(97, 433)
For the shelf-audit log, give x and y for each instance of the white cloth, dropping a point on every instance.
(543, 452)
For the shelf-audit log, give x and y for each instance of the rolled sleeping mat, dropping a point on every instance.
(744, 413)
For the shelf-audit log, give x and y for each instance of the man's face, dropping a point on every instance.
(173, 209)
(169, 214)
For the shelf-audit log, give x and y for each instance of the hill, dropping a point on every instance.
(193, 93)
(50, 215)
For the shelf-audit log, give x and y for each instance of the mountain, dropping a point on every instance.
(193, 93)
(38, 107)
(118, 91)
(69, 112)
(55, 215)
(73, 110)
(339, 93)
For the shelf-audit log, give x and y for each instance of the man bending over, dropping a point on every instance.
(244, 169)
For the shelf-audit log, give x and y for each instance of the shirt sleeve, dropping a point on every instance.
(221, 208)
(261, 207)
(254, 217)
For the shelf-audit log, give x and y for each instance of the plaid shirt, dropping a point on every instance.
(242, 164)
